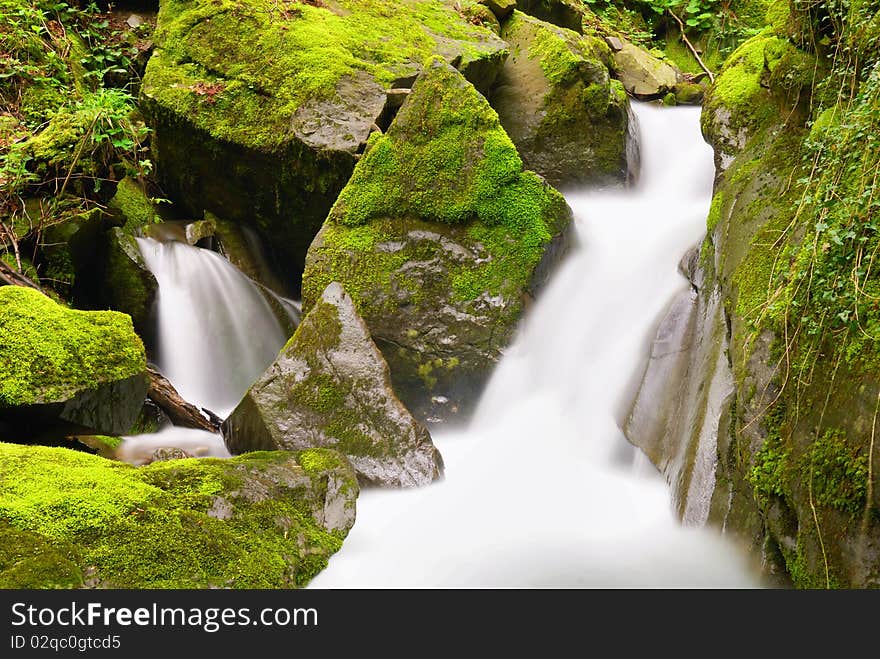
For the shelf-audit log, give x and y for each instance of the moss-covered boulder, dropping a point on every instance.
(440, 238)
(260, 109)
(330, 387)
(642, 74)
(568, 119)
(263, 520)
(65, 367)
(764, 83)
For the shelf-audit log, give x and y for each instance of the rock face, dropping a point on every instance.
(58, 366)
(260, 110)
(793, 473)
(686, 393)
(264, 520)
(556, 101)
(330, 387)
(743, 101)
(129, 286)
(643, 75)
(440, 237)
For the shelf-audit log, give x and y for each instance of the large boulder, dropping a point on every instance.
(59, 366)
(260, 109)
(555, 98)
(330, 387)
(264, 520)
(440, 237)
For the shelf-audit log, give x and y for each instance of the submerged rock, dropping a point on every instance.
(59, 366)
(440, 237)
(557, 102)
(264, 520)
(330, 387)
(260, 109)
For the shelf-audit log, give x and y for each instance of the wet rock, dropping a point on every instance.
(439, 238)
(129, 286)
(330, 387)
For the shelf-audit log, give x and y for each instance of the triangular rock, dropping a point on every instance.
(330, 387)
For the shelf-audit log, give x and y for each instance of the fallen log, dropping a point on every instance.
(181, 413)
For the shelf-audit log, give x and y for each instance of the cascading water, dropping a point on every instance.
(541, 488)
(216, 333)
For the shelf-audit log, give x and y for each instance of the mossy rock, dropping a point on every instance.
(688, 93)
(128, 285)
(260, 109)
(133, 207)
(564, 13)
(330, 387)
(440, 237)
(765, 82)
(65, 367)
(556, 101)
(643, 75)
(262, 520)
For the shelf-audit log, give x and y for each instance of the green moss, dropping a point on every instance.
(459, 168)
(738, 87)
(50, 352)
(241, 70)
(31, 560)
(772, 467)
(838, 471)
(132, 203)
(150, 528)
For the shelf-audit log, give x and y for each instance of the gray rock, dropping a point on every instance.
(330, 387)
(643, 75)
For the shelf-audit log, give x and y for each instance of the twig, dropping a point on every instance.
(691, 47)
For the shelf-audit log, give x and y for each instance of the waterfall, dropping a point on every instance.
(542, 488)
(216, 334)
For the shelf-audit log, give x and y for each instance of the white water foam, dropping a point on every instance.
(542, 489)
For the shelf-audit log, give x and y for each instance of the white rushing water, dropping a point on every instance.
(216, 334)
(542, 488)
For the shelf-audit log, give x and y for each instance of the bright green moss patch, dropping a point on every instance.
(134, 205)
(152, 527)
(838, 471)
(446, 159)
(48, 352)
(241, 70)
